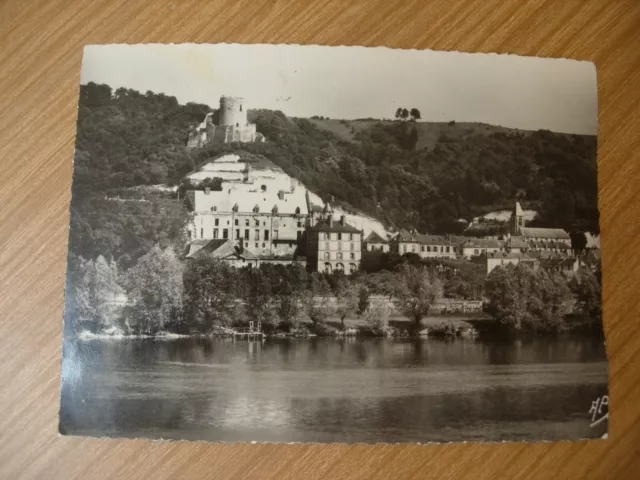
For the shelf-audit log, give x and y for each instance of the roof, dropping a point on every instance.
(291, 203)
(334, 226)
(373, 237)
(517, 210)
(510, 255)
(481, 243)
(218, 248)
(424, 239)
(557, 233)
(557, 262)
(516, 242)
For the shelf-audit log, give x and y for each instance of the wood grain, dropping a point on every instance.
(40, 53)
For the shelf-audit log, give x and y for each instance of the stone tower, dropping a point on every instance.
(517, 219)
(232, 112)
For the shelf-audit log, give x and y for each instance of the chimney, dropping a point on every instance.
(207, 190)
(281, 194)
(341, 219)
(330, 220)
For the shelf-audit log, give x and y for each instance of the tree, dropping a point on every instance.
(377, 318)
(212, 293)
(523, 299)
(417, 290)
(588, 293)
(92, 289)
(154, 286)
(405, 114)
(363, 299)
(346, 298)
(399, 113)
(415, 114)
(316, 301)
(578, 242)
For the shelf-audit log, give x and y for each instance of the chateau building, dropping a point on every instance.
(269, 224)
(334, 246)
(375, 243)
(233, 126)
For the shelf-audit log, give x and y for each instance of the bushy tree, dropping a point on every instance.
(346, 294)
(316, 301)
(377, 318)
(212, 294)
(92, 287)
(588, 293)
(523, 299)
(417, 290)
(363, 299)
(154, 287)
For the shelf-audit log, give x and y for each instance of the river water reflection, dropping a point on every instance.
(328, 390)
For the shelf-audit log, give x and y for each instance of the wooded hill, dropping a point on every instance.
(408, 174)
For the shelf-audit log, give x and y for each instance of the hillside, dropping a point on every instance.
(429, 133)
(128, 139)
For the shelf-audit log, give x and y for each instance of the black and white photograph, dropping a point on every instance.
(286, 243)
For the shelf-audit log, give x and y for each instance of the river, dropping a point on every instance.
(330, 390)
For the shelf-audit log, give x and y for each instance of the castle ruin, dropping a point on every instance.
(233, 126)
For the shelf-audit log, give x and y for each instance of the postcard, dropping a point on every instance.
(285, 243)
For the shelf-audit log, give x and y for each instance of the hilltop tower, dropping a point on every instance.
(232, 112)
(232, 126)
(517, 219)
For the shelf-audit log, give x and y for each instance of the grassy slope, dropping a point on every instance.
(428, 132)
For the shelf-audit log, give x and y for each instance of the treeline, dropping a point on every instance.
(160, 293)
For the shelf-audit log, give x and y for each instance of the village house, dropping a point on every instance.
(333, 246)
(551, 240)
(426, 246)
(502, 259)
(375, 243)
(478, 246)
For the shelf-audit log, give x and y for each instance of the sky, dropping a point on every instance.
(356, 82)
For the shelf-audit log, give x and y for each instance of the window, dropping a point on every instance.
(256, 244)
(228, 222)
(327, 246)
(266, 235)
(264, 224)
(299, 224)
(202, 233)
(448, 249)
(246, 234)
(216, 222)
(351, 237)
(246, 244)
(263, 245)
(215, 233)
(237, 233)
(352, 268)
(428, 248)
(353, 246)
(257, 223)
(339, 236)
(236, 222)
(327, 268)
(246, 222)
(225, 233)
(476, 251)
(404, 248)
(413, 248)
(275, 235)
(240, 107)
(299, 235)
(256, 235)
(422, 248)
(353, 256)
(237, 124)
(339, 257)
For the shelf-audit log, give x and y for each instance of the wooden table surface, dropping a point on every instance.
(40, 52)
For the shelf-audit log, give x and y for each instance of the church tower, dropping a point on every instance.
(517, 219)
